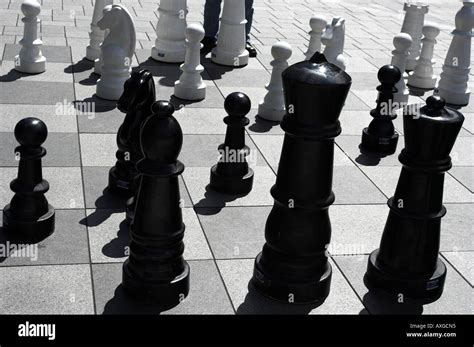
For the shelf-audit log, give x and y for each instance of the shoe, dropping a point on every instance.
(208, 43)
(251, 49)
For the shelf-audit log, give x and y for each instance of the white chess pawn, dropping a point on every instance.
(170, 43)
(230, 50)
(96, 35)
(30, 59)
(117, 51)
(190, 85)
(317, 24)
(413, 25)
(273, 105)
(402, 43)
(453, 82)
(333, 40)
(423, 76)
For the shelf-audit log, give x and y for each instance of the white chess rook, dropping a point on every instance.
(413, 25)
(453, 82)
(31, 59)
(116, 51)
(423, 76)
(190, 85)
(230, 50)
(402, 43)
(273, 105)
(170, 43)
(317, 24)
(96, 35)
(333, 40)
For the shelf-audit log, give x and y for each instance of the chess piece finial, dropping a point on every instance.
(272, 107)
(318, 24)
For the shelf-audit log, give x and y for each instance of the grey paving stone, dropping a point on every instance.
(207, 294)
(247, 300)
(103, 120)
(36, 93)
(62, 148)
(67, 245)
(201, 121)
(462, 153)
(456, 297)
(463, 262)
(53, 54)
(98, 149)
(49, 289)
(465, 175)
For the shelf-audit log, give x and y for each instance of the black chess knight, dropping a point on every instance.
(407, 261)
(29, 217)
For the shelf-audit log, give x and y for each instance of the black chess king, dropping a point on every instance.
(293, 266)
(407, 261)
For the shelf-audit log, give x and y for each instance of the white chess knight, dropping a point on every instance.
(31, 59)
(96, 35)
(273, 105)
(453, 82)
(423, 76)
(402, 43)
(116, 51)
(317, 24)
(413, 25)
(190, 85)
(333, 40)
(170, 44)
(230, 49)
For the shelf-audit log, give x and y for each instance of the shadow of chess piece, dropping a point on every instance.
(380, 136)
(136, 100)
(407, 261)
(29, 217)
(232, 175)
(293, 266)
(156, 271)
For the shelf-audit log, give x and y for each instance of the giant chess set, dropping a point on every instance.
(315, 158)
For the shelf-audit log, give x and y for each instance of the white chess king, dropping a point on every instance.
(230, 50)
(190, 85)
(318, 25)
(273, 105)
(412, 25)
(170, 44)
(96, 35)
(31, 59)
(453, 82)
(116, 51)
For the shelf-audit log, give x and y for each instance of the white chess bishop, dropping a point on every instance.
(423, 76)
(273, 105)
(333, 40)
(190, 85)
(170, 44)
(31, 59)
(453, 82)
(317, 24)
(402, 43)
(96, 35)
(116, 51)
(230, 49)
(412, 25)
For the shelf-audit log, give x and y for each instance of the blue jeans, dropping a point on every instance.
(212, 10)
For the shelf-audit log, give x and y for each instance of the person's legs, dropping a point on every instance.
(249, 10)
(212, 11)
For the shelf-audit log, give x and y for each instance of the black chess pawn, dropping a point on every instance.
(380, 136)
(135, 102)
(232, 175)
(29, 217)
(407, 261)
(156, 270)
(293, 266)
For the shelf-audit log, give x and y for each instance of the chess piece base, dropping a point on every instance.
(165, 295)
(119, 185)
(191, 94)
(111, 90)
(454, 99)
(28, 231)
(228, 59)
(168, 56)
(429, 289)
(270, 114)
(302, 292)
(379, 144)
(231, 184)
(421, 83)
(92, 54)
(31, 67)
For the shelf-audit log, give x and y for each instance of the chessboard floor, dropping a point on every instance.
(78, 268)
